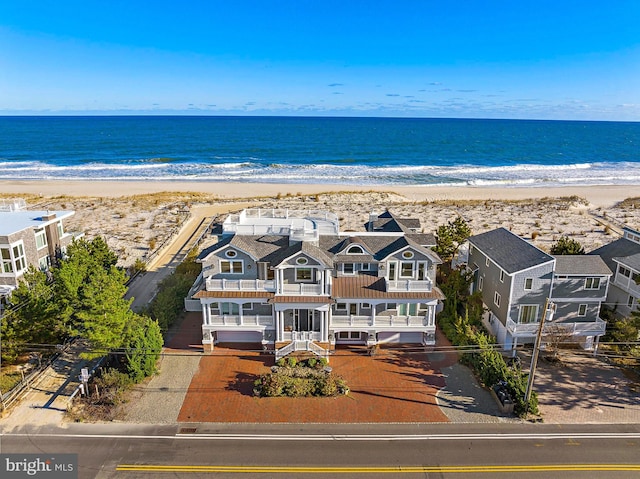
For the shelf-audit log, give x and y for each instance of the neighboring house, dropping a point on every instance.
(28, 238)
(289, 280)
(623, 258)
(515, 279)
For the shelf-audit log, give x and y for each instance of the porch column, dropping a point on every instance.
(240, 313)
(322, 285)
(280, 280)
(205, 308)
(373, 314)
(322, 328)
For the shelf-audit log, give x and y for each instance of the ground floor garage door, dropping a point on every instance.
(239, 337)
(400, 338)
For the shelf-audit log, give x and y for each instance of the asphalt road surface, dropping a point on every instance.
(296, 451)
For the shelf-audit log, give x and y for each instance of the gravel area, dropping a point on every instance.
(463, 400)
(159, 400)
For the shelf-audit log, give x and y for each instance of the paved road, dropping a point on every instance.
(528, 450)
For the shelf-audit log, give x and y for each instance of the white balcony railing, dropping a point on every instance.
(409, 285)
(627, 284)
(248, 320)
(240, 285)
(587, 328)
(383, 321)
(301, 288)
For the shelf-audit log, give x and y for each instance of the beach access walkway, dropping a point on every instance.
(145, 286)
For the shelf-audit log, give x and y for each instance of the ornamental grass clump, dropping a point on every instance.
(292, 378)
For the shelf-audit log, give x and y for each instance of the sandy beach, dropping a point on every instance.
(136, 217)
(598, 196)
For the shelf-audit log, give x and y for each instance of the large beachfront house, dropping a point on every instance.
(516, 279)
(623, 257)
(28, 238)
(290, 280)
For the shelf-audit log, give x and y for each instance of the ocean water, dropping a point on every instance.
(348, 151)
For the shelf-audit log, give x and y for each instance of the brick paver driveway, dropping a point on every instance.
(394, 386)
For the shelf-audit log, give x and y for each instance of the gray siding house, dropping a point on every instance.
(290, 280)
(623, 258)
(515, 279)
(28, 238)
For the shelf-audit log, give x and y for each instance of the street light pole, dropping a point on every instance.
(548, 310)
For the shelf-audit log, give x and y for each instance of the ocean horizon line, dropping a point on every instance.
(188, 114)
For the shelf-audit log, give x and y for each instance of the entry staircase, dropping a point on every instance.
(301, 342)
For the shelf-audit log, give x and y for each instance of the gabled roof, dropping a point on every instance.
(258, 247)
(581, 265)
(621, 249)
(509, 251)
(387, 222)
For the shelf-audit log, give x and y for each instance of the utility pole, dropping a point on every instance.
(549, 308)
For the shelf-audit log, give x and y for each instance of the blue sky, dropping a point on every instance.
(560, 59)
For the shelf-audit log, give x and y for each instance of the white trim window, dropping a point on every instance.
(528, 284)
(630, 301)
(304, 275)
(624, 271)
(43, 263)
(502, 276)
(582, 310)
(232, 267)
(355, 249)
(6, 265)
(592, 283)
(19, 258)
(496, 299)
(230, 308)
(348, 268)
(528, 314)
(365, 266)
(406, 269)
(41, 239)
(422, 270)
(480, 283)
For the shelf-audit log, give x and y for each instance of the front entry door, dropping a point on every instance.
(303, 319)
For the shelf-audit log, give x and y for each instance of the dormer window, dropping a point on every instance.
(231, 253)
(355, 249)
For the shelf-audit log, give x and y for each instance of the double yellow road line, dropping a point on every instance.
(379, 470)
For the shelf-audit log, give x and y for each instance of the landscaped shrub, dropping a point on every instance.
(300, 380)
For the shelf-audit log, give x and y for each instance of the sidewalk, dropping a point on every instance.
(45, 402)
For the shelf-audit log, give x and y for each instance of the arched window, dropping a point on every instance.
(355, 249)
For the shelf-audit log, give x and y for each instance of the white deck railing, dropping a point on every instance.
(247, 320)
(240, 285)
(409, 285)
(585, 328)
(627, 284)
(301, 288)
(383, 321)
